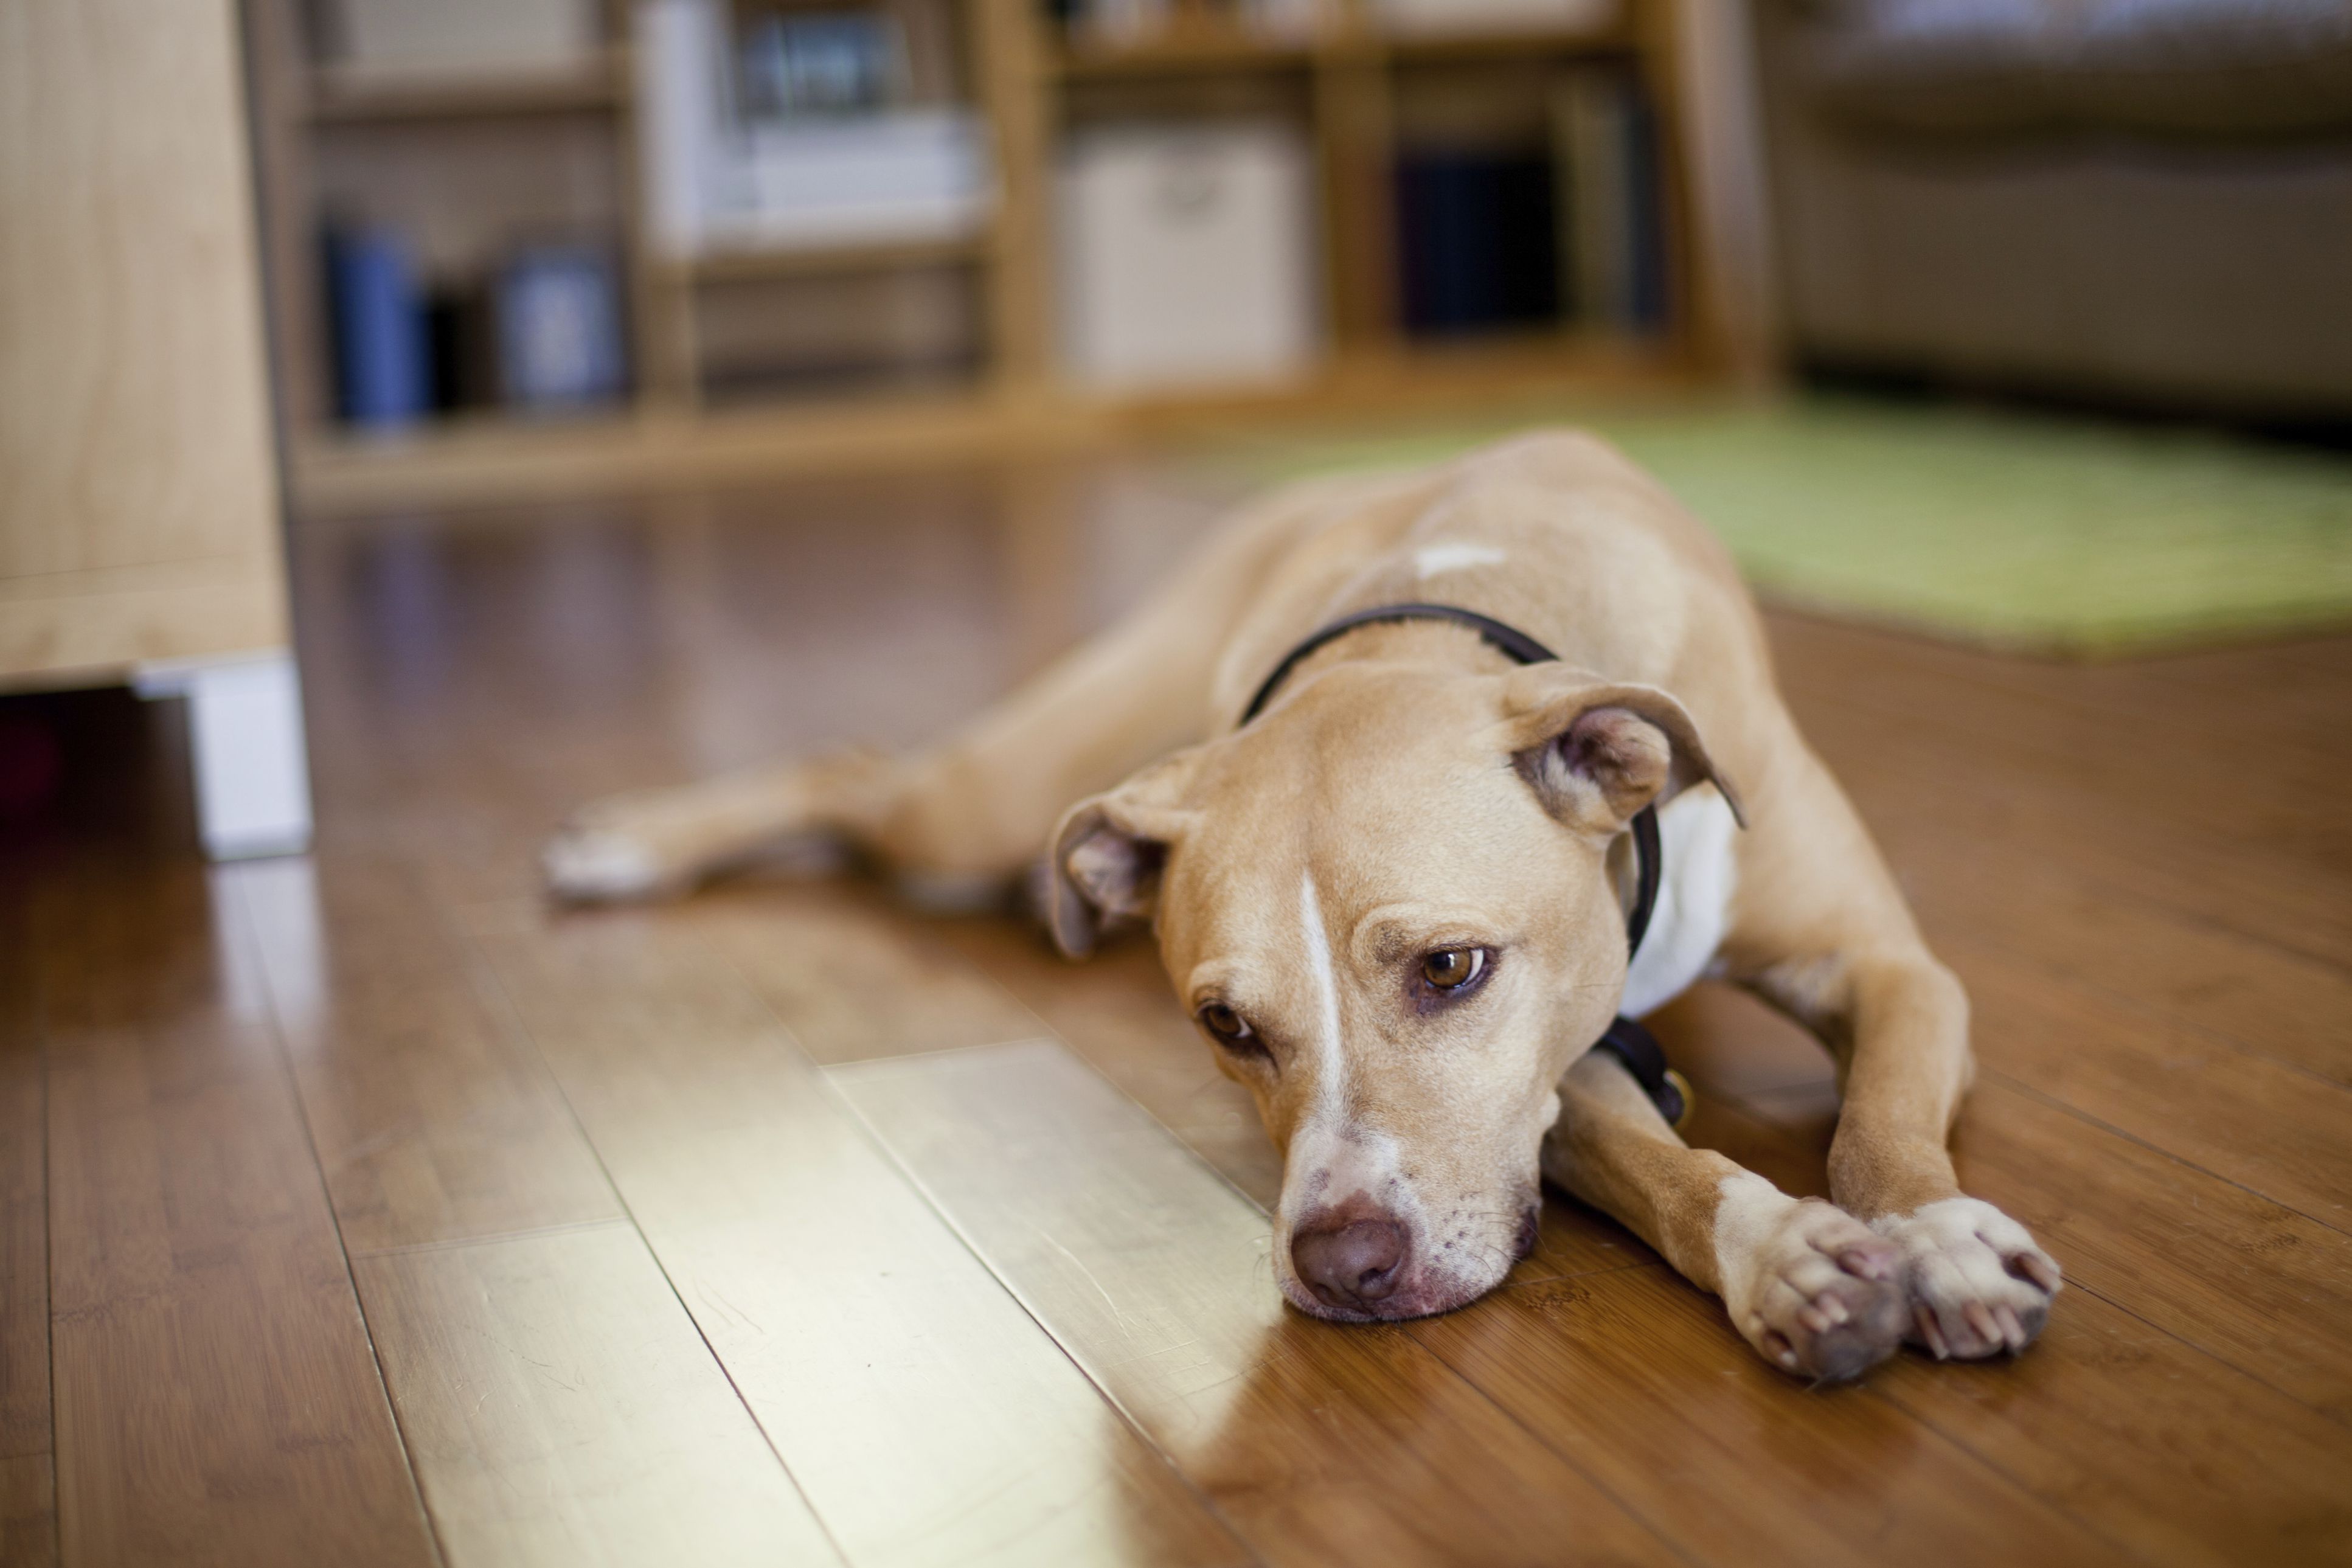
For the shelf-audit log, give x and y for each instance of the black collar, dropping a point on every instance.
(1628, 1040)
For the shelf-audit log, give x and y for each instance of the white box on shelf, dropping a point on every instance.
(861, 179)
(397, 39)
(1426, 18)
(715, 181)
(1187, 254)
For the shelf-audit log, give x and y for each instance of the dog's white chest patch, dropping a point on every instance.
(1693, 907)
(1452, 555)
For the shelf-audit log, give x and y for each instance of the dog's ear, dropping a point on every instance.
(1104, 867)
(1597, 752)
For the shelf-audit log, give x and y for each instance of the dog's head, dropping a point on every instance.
(1392, 907)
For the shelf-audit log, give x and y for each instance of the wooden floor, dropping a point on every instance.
(361, 1209)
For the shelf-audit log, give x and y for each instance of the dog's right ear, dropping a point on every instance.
(1104, 868)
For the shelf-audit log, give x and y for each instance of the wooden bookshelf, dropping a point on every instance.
(1185, 50)
(1436, 48)
(1031, 84)
(599, 86)
(749, 264)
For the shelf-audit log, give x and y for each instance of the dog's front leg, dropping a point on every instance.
(964, 816)
(1898, 1022)
(1807, 1284)
(651, 842)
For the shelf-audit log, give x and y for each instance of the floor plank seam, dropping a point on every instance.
(2131, 1002)
(2339, 1417)
(854, 1063)
(1629, 1264)
(2001, 1473)
(2020, 1086)
(1413, 1337)
(50, 1272)
(1671, 1546)
(492, 1238)
(2118, 1304)
(922, 1190)
(1010, 1289)
(2105, 886)
(512, 1017)
(1089, 1063)
(247, 935)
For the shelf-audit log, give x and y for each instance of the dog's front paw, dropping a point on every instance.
(1978, 1285)
(1808, 1284)
(598, 863)
(638, 845)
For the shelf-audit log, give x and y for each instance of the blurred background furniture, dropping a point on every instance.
(2146, 201)
(829, 232)
(140, 524)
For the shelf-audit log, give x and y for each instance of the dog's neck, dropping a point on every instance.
(1420, 645)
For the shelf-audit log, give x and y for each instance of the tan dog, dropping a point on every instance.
(1396, 900)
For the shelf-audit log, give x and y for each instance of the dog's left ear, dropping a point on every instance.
(1597, 752)
(1104, 867)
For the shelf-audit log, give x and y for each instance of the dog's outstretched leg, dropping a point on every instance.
(975, 811)
(1835, 947)
(1898, 1022)
(1808, 1285)
(651, 842)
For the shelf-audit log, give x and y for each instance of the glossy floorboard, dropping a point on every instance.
(362, 1208)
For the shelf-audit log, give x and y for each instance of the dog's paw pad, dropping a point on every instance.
(597, 864)
(1977, 1285)
(1822, 1297)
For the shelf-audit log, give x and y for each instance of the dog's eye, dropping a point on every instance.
(1454, 967)
(1224, 1022)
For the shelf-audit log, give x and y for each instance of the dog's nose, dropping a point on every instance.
(1350, 1263)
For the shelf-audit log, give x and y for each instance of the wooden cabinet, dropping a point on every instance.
(141, 534)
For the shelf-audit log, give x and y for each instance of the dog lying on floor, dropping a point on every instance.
(1396, 767)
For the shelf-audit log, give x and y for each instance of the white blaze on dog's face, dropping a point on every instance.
(1388, 904)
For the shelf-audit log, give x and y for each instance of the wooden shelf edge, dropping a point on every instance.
(1208, 50)
(1415, 49)
(1180, 53)
(490, 462)
(753, 264)
(600, 85)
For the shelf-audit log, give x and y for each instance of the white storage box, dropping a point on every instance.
(390, 40)
(1187, 254)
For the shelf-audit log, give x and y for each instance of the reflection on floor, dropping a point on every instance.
(362, 1208)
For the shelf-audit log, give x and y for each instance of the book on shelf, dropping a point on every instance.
(796, 135)
(539, 331)
(1489, 237)
(1475, 240)
(375, 310)
(559, 326)
(819, 63)
(398, 41)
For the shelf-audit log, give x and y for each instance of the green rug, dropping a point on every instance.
(2018, 532)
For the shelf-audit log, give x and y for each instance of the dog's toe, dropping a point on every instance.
(1824, 1299)
(1978, 1284)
